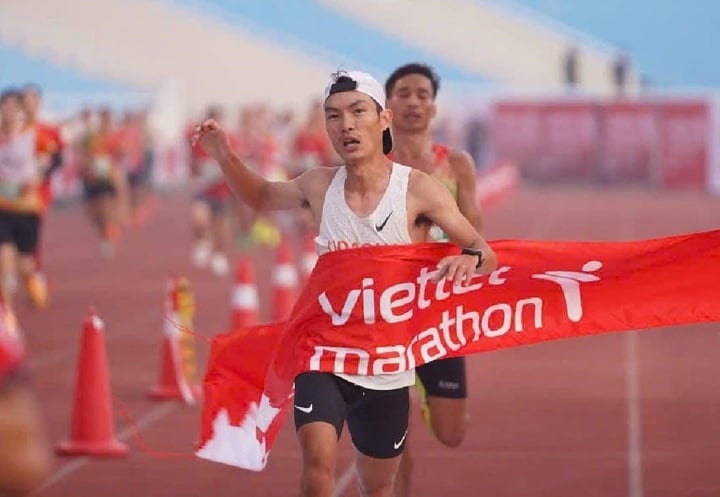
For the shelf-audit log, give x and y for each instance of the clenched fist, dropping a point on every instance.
(213, 139)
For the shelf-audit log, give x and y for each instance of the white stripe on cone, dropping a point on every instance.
(285, 275)
(98, 324)
(244, 297)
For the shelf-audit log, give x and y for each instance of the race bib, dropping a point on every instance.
(102, 167)
(10, 191)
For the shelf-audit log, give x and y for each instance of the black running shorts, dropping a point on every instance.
(21, 230)
(377, 419)
(445, 378)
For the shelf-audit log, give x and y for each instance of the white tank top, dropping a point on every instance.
(18, 164)
(341, 228)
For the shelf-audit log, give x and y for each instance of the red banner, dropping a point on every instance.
(630, 141)
(375, 310)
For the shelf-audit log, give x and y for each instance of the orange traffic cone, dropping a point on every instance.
(178, 378)
(244, 297)
(92, 431)
(285, 283)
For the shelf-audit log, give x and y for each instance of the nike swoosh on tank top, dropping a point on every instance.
(341, 228)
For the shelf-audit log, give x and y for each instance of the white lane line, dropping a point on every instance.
(634, 427)
(344, 481)
(628, 228)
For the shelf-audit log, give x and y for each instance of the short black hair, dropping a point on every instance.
(9, 93)
(413, 68)
(343, 82)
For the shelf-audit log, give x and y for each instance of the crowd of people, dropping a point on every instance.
(105, 157)
(110, 156)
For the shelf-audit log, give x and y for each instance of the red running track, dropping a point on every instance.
(628, 414)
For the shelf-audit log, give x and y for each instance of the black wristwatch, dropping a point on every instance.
(477, 252)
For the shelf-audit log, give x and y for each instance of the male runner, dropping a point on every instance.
(211, 206)
(368, 200)
(20, 201)
(103, 181)
(411, 91)
(49, 150)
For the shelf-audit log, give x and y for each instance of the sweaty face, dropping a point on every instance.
(354, 125)
(412, 103)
